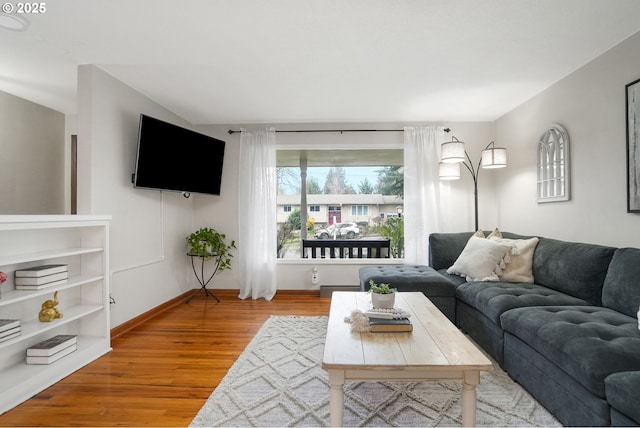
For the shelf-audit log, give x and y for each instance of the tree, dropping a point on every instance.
(294, 220)
(391, 181)
(336, 182)
(288, 180)
(393, 229)
(313, 187)
(365, 187)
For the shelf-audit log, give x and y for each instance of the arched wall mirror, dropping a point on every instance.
(553, 164)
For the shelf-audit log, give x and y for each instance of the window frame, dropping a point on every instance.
(320, 141)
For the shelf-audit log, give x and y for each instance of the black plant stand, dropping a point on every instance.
(201, 277)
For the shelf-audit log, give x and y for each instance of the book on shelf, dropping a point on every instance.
(51, 358)
(41, 280)
(38, 271)
(52, 345)
(7, 324)
(9, 334)
(10, 331)
(42, 286)
(385, 325)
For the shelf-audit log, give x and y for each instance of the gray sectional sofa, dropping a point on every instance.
(569, 335)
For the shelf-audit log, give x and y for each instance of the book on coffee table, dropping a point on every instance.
(385, 325)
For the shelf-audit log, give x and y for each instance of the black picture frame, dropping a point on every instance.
(632, 99)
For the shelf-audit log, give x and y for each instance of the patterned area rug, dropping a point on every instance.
(278, 381)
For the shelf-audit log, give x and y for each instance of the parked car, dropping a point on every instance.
(339, 231)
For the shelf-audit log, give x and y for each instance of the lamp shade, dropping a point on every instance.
(449, 171)
(494, 158)
(452, 152)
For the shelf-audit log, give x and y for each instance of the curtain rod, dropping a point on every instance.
(231, 131)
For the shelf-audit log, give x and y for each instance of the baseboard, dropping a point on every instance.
(134, 322)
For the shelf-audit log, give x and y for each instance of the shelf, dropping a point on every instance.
(13, 296)
(51, 221)
(21, 379)
(45, 255)
(81, 242)
(33, 328)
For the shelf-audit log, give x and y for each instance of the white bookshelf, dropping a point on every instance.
(81, 242)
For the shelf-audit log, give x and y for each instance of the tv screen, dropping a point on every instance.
(174, 158)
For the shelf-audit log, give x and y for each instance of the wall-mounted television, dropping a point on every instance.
(174, 158)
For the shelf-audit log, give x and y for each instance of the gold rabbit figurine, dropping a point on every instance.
(49, 311)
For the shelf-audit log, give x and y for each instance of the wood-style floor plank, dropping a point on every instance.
(161, 372)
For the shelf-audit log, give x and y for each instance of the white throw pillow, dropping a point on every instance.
(481, 260)
(520, 269)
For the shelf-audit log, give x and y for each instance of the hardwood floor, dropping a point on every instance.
(161, 372)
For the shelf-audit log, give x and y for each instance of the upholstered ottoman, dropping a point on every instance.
(433, 285)
(623, 393)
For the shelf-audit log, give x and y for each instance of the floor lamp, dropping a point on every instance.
(453, 153)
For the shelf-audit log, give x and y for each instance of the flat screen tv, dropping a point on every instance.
(177, 159)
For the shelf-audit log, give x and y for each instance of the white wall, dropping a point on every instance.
(32, 158)
(590, 104)
(221, 212)
(148, 230)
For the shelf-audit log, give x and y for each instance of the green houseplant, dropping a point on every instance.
(382, 295)
(207, 243)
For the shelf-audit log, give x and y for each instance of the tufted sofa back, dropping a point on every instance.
(444, 248)
(621, 290)
(574, 268)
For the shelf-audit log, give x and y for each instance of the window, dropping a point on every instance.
(342, 186)
(359, 210)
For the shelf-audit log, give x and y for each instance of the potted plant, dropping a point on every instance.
(382, 295)
(207, 242)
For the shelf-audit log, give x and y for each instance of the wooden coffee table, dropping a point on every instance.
(435, 350)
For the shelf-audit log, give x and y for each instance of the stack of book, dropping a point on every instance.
(388, 325)
(388, 320)
(39, 277)
(9, 329)
(52, 349)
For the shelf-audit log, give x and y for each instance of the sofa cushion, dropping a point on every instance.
(480, 260)
(623, 393)
(621, 290)
(492, 299)
(573, 268)
(408, 278)
(444, 248)
(587, 342)
(521, 267)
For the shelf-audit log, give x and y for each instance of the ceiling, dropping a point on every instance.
(288, 61)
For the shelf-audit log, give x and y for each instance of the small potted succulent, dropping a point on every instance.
(382, 295)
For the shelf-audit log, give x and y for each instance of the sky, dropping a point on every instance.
(355, 175)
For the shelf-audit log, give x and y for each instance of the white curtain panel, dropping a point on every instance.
(422, 205)
(257, 214)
